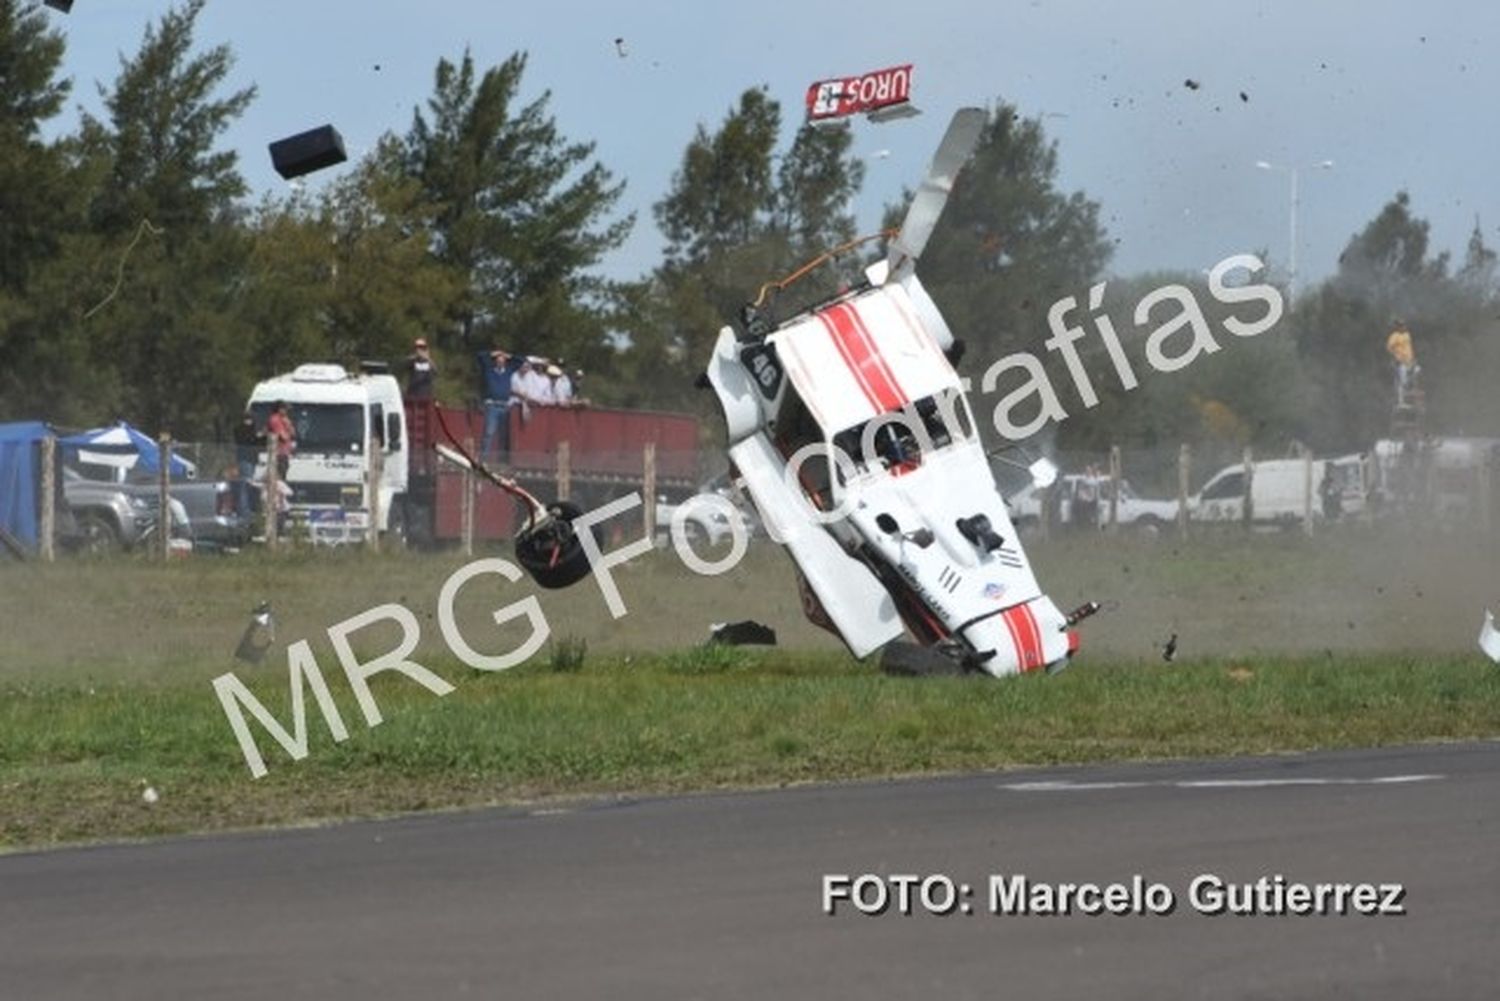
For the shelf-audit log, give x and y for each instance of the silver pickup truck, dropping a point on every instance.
(112, 516)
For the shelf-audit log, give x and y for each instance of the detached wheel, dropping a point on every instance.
(552, 553)
(97, 535)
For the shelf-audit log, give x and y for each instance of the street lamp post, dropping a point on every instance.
(1294, 170)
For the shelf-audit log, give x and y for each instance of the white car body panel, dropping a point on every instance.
(909, 531)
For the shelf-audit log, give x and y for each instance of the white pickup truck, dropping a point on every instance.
(1136, 512)
(1281, 490)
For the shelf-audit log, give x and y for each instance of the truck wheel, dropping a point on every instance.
(552, 552)
(1148, 526)
(395, 525)
(97, 534)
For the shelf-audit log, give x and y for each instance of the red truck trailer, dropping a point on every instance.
(588, 455)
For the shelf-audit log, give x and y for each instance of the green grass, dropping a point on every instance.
(1350, 639)
(75, 757)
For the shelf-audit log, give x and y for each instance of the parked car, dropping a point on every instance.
(211, 511)
(1280, 490)
(210, 504)
(703, 521)
(1133, 511)
(115, 516)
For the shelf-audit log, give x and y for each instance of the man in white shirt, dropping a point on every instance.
(562, 386)
(533, 386)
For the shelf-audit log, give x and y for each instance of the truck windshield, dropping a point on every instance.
(322, 427)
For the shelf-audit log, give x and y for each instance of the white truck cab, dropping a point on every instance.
(342, 421)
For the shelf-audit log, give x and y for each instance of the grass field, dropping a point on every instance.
(1286, 644)
(75, 760)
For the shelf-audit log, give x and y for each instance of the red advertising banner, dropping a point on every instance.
(853, 95)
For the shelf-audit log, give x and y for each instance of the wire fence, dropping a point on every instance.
(216, 493)
(1198, 490)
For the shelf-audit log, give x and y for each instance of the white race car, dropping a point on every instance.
(849, 428)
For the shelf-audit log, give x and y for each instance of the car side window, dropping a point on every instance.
(1231, 485)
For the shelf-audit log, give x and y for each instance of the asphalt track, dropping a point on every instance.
(719, 896)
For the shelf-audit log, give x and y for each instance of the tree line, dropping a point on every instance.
(139, 280)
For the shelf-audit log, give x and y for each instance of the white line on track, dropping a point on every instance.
(1218, 783)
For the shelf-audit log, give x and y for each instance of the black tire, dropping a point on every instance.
(395, 525)
(97, 534)
(552, 553)
(418, 525)
(1148, 526)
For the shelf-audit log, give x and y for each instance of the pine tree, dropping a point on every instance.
(521, 213)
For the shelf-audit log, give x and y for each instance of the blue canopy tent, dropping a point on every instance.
(20, 476)
(123, 448)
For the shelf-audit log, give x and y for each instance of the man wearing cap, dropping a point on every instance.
(533, 384)
(562, 386)
(420, 371)
(497, 370)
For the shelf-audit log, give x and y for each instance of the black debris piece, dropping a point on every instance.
(746, 633)
(1244, 97)
(620, 47)
(259, 634)
(308, 151)
(1191, 84)
(1169, 650)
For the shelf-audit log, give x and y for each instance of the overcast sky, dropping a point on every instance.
(1396, 94)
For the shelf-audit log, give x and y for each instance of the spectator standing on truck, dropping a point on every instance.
(280, 430)
(497, 370)
(249, 445)
(562, 386)
(532, 384)
(420, 371)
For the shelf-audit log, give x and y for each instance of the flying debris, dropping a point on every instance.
(880, 95)
(308, 151)
(259, 634)
(1169, 649)
(1191, 84)
(1244, 97)
(549, 548)
(850, 430)
(746, 633)
(620, 47)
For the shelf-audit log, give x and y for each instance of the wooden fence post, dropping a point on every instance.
(1487, 494)
(1307, 490)
(47, 529)
(270, 504)
(466, 503)
(1247, 506)
(564, 470)
(377, 461)
(648, 486)
(1184, 470)
(164, 494)
(1114, 488)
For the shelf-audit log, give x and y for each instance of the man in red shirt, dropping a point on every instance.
(280, 430)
